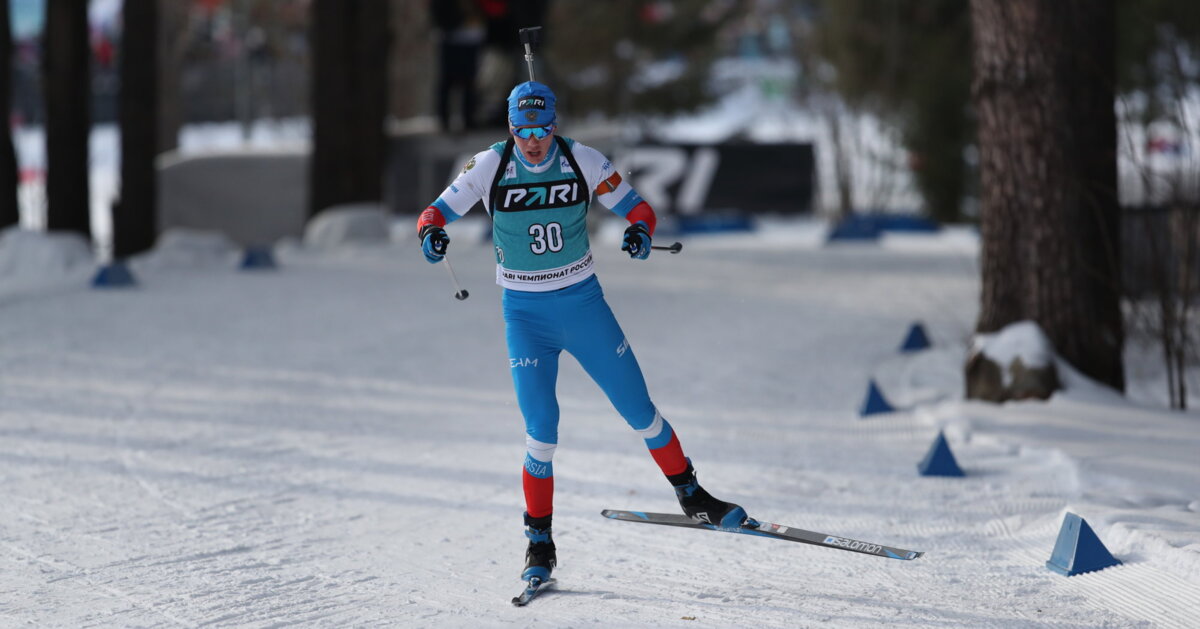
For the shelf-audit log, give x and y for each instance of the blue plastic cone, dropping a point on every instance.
(258, 258)
(874, 402)
(1078, 550)
(113, 275)
(939, 461)
(916, 339)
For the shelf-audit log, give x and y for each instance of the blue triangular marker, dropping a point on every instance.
(939, 461)
(1078, 550)
(916, 339)
(113, 275)
(258, 258)
(874, 402)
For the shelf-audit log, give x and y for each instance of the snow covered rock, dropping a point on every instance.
(1015, 363)
(366, 223)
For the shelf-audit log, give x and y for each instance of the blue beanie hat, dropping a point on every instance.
(530, 104)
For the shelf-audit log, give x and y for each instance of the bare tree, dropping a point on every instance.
(1160, 151)
(66, 64)
(1044, 91)
(176, 33)
(1168, 243)
(135, 220)
(905, 63)
(350, 72)
(10, 212)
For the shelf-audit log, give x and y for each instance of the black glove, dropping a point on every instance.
(434, 241)
(637, 241)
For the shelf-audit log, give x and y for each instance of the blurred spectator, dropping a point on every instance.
(504, 19)
(460, 27)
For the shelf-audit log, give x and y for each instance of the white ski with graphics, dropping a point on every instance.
(767, 529)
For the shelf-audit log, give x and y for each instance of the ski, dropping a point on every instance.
(533, 587)
(767, 529)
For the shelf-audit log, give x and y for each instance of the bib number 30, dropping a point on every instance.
(546, 237)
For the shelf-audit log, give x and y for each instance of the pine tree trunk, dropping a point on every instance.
(66, 69)
(1044, 92)
(10, 211)
(135, 218)
(350, 51)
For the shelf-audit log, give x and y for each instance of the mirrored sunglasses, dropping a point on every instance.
(539, 132)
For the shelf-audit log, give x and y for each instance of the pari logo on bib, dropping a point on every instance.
(530, 104)
(540, 196)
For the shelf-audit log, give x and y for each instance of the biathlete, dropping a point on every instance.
(537, 187)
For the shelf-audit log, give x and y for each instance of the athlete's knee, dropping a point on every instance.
(541, 414)
(640, 414)
(626, 390)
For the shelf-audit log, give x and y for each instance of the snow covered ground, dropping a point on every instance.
(335, 443)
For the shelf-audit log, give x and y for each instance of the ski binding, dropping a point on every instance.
(533, 587)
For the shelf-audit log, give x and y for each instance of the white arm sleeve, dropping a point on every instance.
(603, 179)
(471, 185)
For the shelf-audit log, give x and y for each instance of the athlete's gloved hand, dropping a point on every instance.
(434, 241)
(637, 241)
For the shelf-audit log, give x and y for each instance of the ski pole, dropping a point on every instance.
(529, 37)
(675, 248)
(459, 292)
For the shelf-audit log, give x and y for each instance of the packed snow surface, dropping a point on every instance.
(335, 443)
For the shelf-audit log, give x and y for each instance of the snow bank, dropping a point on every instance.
(30, 255)
(349, 225)
(34, 259)
(184, 248)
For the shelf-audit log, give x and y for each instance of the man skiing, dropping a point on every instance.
(537, 187)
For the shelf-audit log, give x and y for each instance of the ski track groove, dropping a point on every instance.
(252, 546)
(72, 571)
(1175, 603)
(219, 559)
(1114, 590)
(1022, 526)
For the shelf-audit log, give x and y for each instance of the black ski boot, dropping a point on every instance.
(540, 557)
(700, 506)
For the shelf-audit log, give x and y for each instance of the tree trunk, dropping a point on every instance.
(135, 218)
(66, 70)
(175, 35)
(1044, 91)
(10, 211)
(350, 51)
